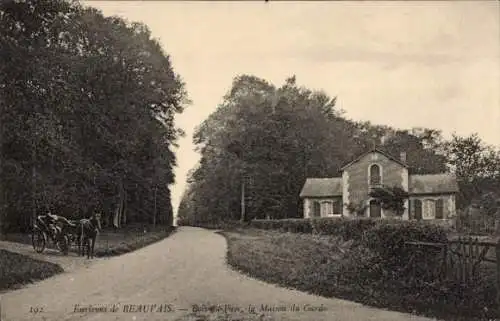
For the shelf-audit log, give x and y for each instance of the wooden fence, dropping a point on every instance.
(461, 258)
(476, 225)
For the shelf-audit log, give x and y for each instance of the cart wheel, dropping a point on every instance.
(39, 240)
(62, 244)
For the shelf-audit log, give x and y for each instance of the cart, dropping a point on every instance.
(43, 234)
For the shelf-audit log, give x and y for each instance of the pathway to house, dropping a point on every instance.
(177, 278)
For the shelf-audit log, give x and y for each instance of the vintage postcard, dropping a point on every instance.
(249, 160)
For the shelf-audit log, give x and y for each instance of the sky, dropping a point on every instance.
(402, 64)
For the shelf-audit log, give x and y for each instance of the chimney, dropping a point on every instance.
(402, 156)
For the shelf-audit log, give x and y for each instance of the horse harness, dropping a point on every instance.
(87, 226)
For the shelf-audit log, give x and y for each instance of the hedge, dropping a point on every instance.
(350, 227)
(385, 237)
(347, 228)
(284, 225)
(388, 238)
(379, 268)
(214, 225)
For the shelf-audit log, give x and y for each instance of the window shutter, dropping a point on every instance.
(439, 209)
(338, 207)
(317, 209)
(417, 214)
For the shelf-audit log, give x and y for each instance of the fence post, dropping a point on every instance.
(444, 271)
(497, 251)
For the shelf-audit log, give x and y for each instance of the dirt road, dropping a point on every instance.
(173, 280)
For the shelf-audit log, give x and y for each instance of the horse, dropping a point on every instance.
(87, 233)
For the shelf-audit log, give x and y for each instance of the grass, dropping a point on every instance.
(17, 269)
(297, 261)
(330, 267)
(111, 242)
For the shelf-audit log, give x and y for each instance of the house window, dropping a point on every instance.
(375, 177)
(429, 211)
(326, 209)
(439, 209)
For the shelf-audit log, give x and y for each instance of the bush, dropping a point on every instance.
(388, 237)
(284, 225)
(215, 225)
(134, 243)
(347, 228)
(479, 224)
(358, 273)
(387, 240)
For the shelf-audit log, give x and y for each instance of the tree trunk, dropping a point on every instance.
(116, 217)
(119, 212)
(124, 206)
(497, 222)
(33, 191)
(2, 195)
(119, 206)
(154, 213)
(242, 200)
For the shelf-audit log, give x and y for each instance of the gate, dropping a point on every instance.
(461, 260)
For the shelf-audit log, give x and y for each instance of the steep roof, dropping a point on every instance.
(375, 150)
(322, 187)
(432, 184)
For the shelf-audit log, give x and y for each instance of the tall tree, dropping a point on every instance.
(476, 165)
(272, 138)
(91, 104)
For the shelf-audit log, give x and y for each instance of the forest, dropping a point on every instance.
(87, 123)
(87, 107)
(272, 138)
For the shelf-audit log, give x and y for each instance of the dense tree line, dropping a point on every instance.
(87, 114)
(274, 138)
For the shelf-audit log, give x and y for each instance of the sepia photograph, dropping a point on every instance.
(261, 160)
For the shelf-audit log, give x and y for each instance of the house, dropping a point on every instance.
(429, 196)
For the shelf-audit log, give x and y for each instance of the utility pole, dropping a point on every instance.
(242, 198)
(154, 213)
(238, 151)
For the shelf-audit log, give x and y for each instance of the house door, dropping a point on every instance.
(317, 209)
(375, 209)
(418, 209)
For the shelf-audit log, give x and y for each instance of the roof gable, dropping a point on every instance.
(433, 184)
(322, 187)
(394, 159)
